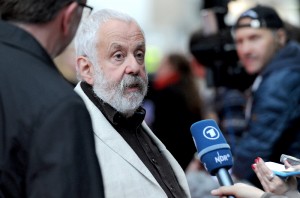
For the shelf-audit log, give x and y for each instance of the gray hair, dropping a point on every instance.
(86, 38)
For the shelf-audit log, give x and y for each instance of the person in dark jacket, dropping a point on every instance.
(46, 139)
(177, 105)
(273, 110)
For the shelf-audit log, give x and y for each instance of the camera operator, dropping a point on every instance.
(214, 48)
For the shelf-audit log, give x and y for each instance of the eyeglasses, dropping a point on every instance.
(87, 10)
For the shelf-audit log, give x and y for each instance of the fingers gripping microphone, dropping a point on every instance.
(213, 150)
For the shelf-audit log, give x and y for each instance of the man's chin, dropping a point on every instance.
(251, 70)
(134, 96)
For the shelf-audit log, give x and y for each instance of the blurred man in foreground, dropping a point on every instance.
(47, 147)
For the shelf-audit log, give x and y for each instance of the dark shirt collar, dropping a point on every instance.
(140, 141)
(111, 114)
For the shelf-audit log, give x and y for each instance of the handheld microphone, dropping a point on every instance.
(213, 150)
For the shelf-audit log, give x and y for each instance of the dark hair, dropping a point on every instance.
(31, 11)
(187, 81)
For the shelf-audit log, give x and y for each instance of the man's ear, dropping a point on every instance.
(85, 69)
(282, 37)
(68, 16)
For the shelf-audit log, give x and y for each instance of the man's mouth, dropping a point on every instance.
(133, 87)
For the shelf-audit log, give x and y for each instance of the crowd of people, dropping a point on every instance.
(122, 132)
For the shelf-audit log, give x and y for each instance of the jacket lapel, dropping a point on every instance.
(108, 135)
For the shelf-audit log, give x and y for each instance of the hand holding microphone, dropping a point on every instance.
(213, 150)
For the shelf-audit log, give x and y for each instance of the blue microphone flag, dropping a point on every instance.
(213, 150)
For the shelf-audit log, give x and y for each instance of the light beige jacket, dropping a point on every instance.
(124, 174)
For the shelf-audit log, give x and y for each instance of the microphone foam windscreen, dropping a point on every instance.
(213, 150)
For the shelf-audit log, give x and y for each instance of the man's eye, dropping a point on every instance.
(255, 37)
(118, 56)
(140, 55)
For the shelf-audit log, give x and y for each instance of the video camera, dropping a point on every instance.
(217, 52)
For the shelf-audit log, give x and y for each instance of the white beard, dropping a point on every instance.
(113, 93)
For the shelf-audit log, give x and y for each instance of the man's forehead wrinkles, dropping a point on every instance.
(115, 45)
(119, 45)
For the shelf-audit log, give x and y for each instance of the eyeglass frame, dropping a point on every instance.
(84, 5)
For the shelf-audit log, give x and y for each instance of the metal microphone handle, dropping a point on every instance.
(224, 179)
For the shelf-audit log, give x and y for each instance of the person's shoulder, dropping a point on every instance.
(51, 90)
(284, 75)
(283, 84)
(60, 90)
(59, 100)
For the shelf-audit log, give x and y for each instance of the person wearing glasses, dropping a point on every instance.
(47, 145)
(111, 49)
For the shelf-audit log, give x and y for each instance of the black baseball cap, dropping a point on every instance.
(262, 17)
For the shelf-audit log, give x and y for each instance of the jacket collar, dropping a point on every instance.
(20, 39)
(287, 57)
(106, 133)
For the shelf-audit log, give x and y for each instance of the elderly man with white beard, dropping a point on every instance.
(110, 49)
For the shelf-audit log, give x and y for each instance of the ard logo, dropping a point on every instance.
(211, 133)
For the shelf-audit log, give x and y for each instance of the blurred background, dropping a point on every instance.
(169, 24)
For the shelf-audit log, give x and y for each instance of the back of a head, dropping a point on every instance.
(180, 63)
(261, 17)
(31, 11)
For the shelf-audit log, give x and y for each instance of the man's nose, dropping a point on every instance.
(245, 48)
(132, 65)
